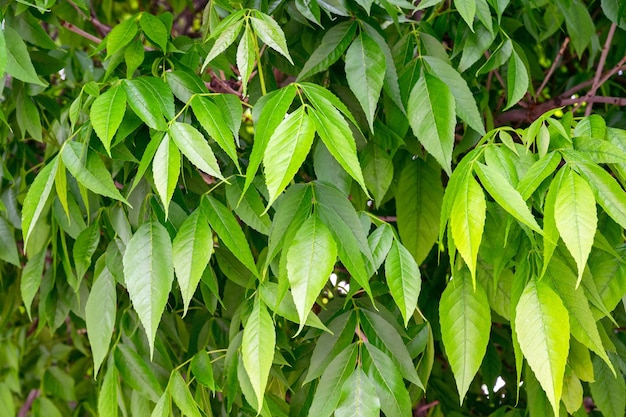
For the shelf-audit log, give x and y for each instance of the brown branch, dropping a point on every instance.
(32, 395)
(557, 61)
(596, 79)
(81, 32)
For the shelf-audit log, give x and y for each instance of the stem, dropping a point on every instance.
(596, 80)
(259, 66)
(556, 61)
(81, 32)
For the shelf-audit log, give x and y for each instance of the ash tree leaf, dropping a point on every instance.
(286, 308)
(165, 171)
(310, 261)
(579, 23)
(419, 197)
(467, 10)
(148, 274)
(107, 396)
(195, 147)
(516, 79)
(542, 327)
(191, 251)
(84, 248)
(393, 395)
(505, 195)
(106, 114)
(550, 230)
(37, 196)
(358, 397)
(328, 392)
(465, 319)
(332, 46)
(231, 27)
(179, 391)
(19, 64)
(229, 231)
(8, 246)
(163, 407)
(257, 348)
(377, 171)
(185, 84)
(365, 73)
(467, 221)
(245, 57)
(135, 373)
(202, 369)
(608, 391)
(249, 206)
(3, 53)
(432, 117)
(155, 30)
(100, 311)
(211, 120)
(31, 279)
(266, 28)
(537, 173)
(120, 36)
(268, 113)
(404, 279)
(380, 241)
(87, 167)
(286, 150)
(144, 103)
(576, 218)
(309, 9)
(162, 92)
(607, 191)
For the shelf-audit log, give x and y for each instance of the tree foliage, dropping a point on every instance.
(312, 208)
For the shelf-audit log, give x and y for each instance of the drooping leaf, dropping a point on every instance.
(8, 246)
(517, 80)
(135, 372)
(100, 311)
(210, 117)
(120, 36)
(192, 248)
(106, 114)
(358, 397)
(182, 396)
(310, 261)
(286, 150)
(404, 279)
(144, 104)
(231, 28)
(246, 58)
(380, 241)
(606, 190)
(195, 147)
(202, 369)
(148, 274)
(377, 171)
(432, 117)
(537, 173)
(165, 170)
(580, 26)
(249, 207)
(37, 196)
(107, 398)
(467, 10)
(31, 278)
(608, 391)
(257, 348)
(542, 327)
(19, 64)
(84, 248)
(266, 28)
(155, 30)
(465, 325)
(270, 293)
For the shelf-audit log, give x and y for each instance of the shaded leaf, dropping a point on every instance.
(404, 279)
(182, 397)
(100, 311)
(106, 114)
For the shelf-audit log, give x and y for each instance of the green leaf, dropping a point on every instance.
(182, 397)
(134, 56)
(377, 171)
(467, 221)
(505, 195)
(328, 390)
(148, 273)
(358, 397)
(607, 191)
(332, 46)
(163, 407)
(404, 279)
(249, 206)
(84, 248)
(136, 374)
(106, 114)
(419, 196)
(365, 72)
(3, 53)
(537, 173)
(195, 147)
(225, 38)
(542, 327)
(608, 391)
(465, 325)
(576, 218)
(19, 64)
(210, 117)
(185, 84)
(165, 171)
(155, 30)
(270, 292)
(192, 248)
(107, 396)
(580, 26)
(100, 311)
(465, 104)
(144, 103)
(246, 57)
(266, 28)
(310, 261)
(37, 196)
(380, 241)
(28, 119)
(203, 370)
(286, 150)
(8, 246)
(467, 10)
(550, 231)
(87, 167)
(257, 348)
(394, 397)
(120, 36)
(431, 114)
(31, 279)
(316, 93)
(516, 79)
(161, 92)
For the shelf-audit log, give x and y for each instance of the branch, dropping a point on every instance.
(81, 32)
(32, 395)
(557, 61)
(596, 80)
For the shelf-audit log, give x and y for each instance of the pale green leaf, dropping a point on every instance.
(210, 117)
(84, 248)
(155, 30)
(106, 114)
(467, 221)
(404, 279)
(266, 28)
(505, 195)
(576, 218)
(358, 397)
(332, 46)
(245, 57)
(144, 103)
(135, 373)
(203, 370)
(120, 36)
(365, 72)
(310, 261)
(257, 348)
(107, 396)
(3, 53)
(192, 248)
(286, 150)
(516, 79)
(19, 64)
(607, 191)
(224, 40)
(182, 397)
(148, 273)
(195, 147)
(432, 117)
(467, 10)
(165, 171)
(163, 407)
(608, 391)
(537, 173)
(572, 391)
(37, 196)
(100, 311)
(380, 241)
(328, 390)
(465, 319)
(31, 278)
(542, 327)
(550, 231)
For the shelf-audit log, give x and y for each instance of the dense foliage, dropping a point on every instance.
(312, 207)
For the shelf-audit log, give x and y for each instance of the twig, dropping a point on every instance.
(596, 80)
(32, 395)
(556, 62)
(619, 66)
(81, 32)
